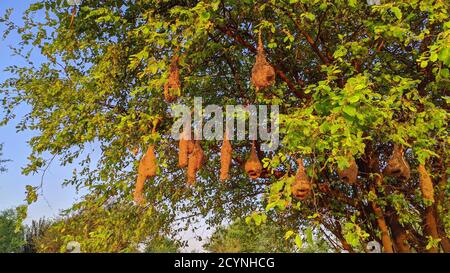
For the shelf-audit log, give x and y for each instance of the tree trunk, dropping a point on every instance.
(399, 233)
(430, 226)
(385, 237)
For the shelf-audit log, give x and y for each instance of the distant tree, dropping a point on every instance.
(11, 239)
(240, 237)
(34, 232)
(162, 244)
(2, 161)
(106, 227)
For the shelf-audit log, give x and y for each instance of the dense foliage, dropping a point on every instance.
(352, 80)
(239, 237)
(11, 239)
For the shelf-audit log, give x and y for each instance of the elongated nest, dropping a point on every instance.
(263, 74)
(195, 162)
(185, 147)
(147, 168)
(253, 166)
(301, 187)
(397, 166)
(172, 88)
(426, 184)
(225, 159)
(349, 174)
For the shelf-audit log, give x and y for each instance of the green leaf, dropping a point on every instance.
(423, 64)
(298, 241)
(397, 12)
(288, 234)
(444, 55)
(349, 110)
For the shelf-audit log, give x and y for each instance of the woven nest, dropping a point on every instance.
(263, 74)
(397, 165)
(146, 169)
(253, 166)
(195, 162)
(185, 146)
(426, 184)
(349, 174)
(301, 187)
(172, 88)
(225, 158)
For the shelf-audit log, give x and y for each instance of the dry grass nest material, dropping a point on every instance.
(301, 187)
(426, 184)
(263, 74)
(225, 158)
(147, 168)
(172, 88)
(253, 166)
(349, 174)
(195, 162)
(397, 166)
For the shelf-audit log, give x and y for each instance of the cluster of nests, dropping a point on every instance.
(191, 154)
(397, 166)
(263, 74)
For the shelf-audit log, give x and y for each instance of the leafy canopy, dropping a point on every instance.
(352, 79)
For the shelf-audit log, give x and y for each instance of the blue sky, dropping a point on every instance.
(15, 148)
(12, 183)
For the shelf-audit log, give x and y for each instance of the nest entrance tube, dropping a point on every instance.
(185, 147)
(349, 174)
(146, 169)
(397, 166)
(225, 158)
(172, 88)
(253, 166)
(263, 74)
(195, 162)
(301, 187)
(426, 184)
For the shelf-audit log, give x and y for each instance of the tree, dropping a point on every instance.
(110, 227)
(354, 83)
(240, 237)
(2, 161)
(11, 240)
(34, 233)
(160, 244)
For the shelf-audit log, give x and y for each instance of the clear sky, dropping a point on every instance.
(15, 148)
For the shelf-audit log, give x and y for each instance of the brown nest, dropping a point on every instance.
(195, 162)
(263, 74)
(426, 184)
(301, 187)
(349, 174)
(146, 169)
(253, 166)
(225, 158)
(185, 148)
(172, 88)
(397, 165)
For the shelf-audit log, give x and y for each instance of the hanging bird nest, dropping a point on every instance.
(349, 174)
(185, 148)
(195, 162)
(253, 166)
(172, 88)
(263, 74)
(147, 168)
(426, 184)
(225, 158)
(301, 187)
(397, 165)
